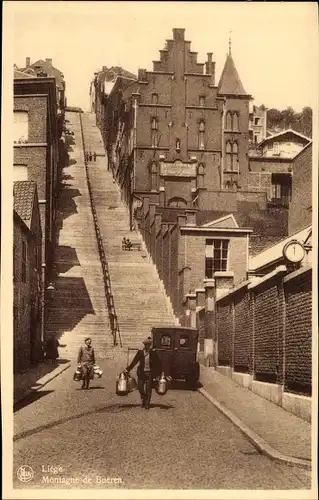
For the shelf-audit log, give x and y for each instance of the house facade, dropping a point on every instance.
(257, 125)
(300, 208)
(271, 165)
(178, 137)
(36, 151)
(27, 276)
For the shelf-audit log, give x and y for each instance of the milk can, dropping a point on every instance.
(161, 388)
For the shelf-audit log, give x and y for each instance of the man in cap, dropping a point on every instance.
(147, 359)
(86, 360)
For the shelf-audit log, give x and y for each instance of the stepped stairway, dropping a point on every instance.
(78, 309)
(139, 297)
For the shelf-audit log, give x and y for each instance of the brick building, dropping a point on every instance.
(27, 275)
(271, 165)
(36, 150)
(300, 208)
(45, 68)
(257, 125)
(175, 135)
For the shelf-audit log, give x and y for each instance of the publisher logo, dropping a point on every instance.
(25, 473)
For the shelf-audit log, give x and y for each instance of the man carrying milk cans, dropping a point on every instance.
(148, 362)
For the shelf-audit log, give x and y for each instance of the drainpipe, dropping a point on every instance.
(135, 106)
(223, 146)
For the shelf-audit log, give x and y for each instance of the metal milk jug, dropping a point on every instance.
(122, 383)
(162, 385)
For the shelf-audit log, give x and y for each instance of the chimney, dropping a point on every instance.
(27, 62)
(179, 34)
(49, 62)
(104, 68)
(142, 75)
(210, 67)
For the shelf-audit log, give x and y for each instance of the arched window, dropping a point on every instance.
(235, 163)
(201, 135)
(200, 175)
(235, 121)
(232, 162)
(228, 155)
(154, 133)
(177, 203)
(201, 169)
(153, 169)
(228, 121)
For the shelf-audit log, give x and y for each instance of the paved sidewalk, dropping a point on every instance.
(32, 379)
(274, 430)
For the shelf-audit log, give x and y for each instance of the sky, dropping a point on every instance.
(274, 45)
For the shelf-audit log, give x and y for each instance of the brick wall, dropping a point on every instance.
(300, 209)
(298, 333)
(266, 333)
(224, 332)
(241, 339)
(37, 109)
(26, 298)
(266, 330)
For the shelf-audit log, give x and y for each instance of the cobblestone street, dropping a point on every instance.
(181, 442)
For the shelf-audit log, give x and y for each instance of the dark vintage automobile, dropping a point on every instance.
(177, 349)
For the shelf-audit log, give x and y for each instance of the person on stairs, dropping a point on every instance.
(86, 360)
(149, 365)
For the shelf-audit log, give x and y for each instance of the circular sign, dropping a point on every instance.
(294, 251)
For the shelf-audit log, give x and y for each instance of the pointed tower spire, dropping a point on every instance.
(230, 83)
(229, 44)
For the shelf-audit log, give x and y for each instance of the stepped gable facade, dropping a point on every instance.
(175, 135)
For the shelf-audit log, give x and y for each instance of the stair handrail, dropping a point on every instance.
(115, 329)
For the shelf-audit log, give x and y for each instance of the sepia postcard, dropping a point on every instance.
(159, 332)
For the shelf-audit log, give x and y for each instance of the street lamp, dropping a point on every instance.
(50, 291)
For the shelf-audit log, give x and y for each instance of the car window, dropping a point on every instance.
(184, 341)
(166, 341)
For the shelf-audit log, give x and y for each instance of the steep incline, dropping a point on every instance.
(139, 297)
(78, 308)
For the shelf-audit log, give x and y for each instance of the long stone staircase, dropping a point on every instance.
(78, 308)
(139, 297)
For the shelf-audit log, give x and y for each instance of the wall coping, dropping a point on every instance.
(30, 144)
(235, 289)
(212, 230)
(296, 273)
(200, 308)
(224, 274)
(209, 283)
(259, 281)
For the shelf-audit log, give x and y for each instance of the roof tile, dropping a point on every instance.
(230, 83)
(23, 198)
